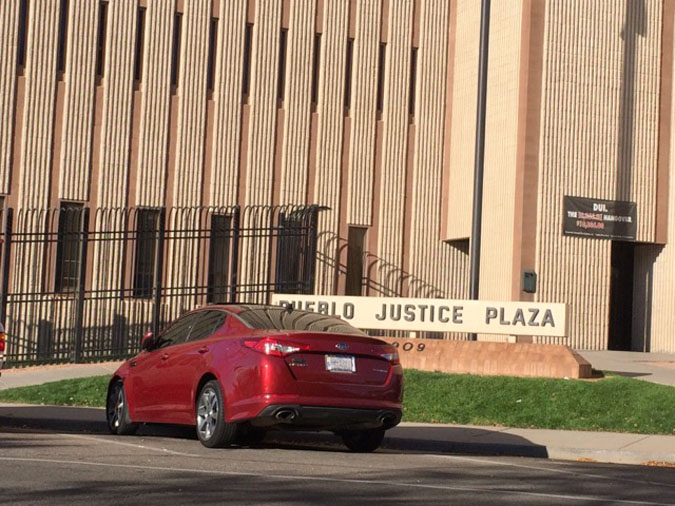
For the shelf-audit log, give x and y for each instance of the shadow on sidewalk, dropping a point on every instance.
(470, 440)
(424, 439)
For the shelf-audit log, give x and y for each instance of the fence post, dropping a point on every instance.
(236, 228)
(279, 276)
(79, 317)
(313, 226)
(6, 248)
(270, 252)
(159, 264)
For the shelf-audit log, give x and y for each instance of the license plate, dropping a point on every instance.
(340, 363)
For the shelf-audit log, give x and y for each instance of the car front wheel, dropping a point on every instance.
(117, 411)
(212, 429)
(363, 441)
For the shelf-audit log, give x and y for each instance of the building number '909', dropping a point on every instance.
(409, 346)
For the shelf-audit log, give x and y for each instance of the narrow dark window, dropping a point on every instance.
(140, 35)
(213, 41)
(3, 211)
(348, 74)
(413, 83)
(219, 258)
(281, 81)
(175, 53)
(147, 229)
(316, 65)
(100, 39)
(68, 248)
(296, 247)
(355, 249)
(248, 42)
(21, 43)
(63, 33)
(380, 79)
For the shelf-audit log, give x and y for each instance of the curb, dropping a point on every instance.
(532, 451)
(613, 457)
(71, 419)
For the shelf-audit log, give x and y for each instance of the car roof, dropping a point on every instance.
(267, 316)
(240, 308)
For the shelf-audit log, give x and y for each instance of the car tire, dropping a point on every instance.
(212, 429)
(117, 411)
(363, 441)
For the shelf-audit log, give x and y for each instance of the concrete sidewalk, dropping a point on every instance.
(653, 367)
(608, 447)
(38, 375)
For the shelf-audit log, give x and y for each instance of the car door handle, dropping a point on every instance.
(203, 349)
(133, 364)
(165, 356)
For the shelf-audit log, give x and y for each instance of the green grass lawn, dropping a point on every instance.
(613, 404)
(71, 392)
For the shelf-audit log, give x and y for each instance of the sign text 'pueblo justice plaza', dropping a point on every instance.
(436, 315)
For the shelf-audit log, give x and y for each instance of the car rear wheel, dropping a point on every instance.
(212, 429)
(117, 411)
(363, 441)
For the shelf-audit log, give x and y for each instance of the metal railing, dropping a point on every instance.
(80, 284)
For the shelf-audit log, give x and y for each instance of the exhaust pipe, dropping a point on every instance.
(387, 420)
(286, 415)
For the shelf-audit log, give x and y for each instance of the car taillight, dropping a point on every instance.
(3, 341)
(391, 356)
(274, 347)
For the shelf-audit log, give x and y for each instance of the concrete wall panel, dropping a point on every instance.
(501, 139)
(364, 111)
(117, 83)
(598, 139)
(263, 102)
(40, 103)
(297, 103)
(189, 164)
(434, 263)
(395, 147)
(330, 119)
(80, 94)
(9, 20)
(228, 100)
(459, 187)
(155, 104)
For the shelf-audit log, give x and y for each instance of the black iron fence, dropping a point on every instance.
(80, 284)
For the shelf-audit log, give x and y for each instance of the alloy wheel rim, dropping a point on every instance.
(207, 413)
(117, 408)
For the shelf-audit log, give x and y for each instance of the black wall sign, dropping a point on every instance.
(606, 219)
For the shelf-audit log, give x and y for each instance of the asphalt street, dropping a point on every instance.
(56, 461)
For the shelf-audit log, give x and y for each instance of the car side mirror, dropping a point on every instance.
(148, 341)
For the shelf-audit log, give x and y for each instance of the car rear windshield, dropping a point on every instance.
(277, 318)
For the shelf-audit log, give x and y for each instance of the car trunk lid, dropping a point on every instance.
(338, 358)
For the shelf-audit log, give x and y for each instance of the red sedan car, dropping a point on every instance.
(236, 371)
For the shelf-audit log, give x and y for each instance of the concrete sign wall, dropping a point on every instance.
(437, 315)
